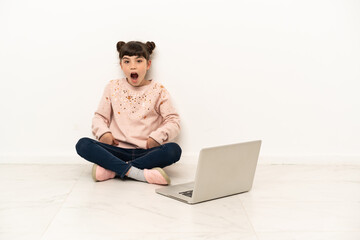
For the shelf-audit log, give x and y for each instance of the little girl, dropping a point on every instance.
(134, 123)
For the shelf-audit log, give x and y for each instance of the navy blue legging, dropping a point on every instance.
(120, 160)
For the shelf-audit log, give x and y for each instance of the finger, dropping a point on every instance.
(116, 141)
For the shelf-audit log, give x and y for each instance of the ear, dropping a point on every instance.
(121, 65)
(148, 65)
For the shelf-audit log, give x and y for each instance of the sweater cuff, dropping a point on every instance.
(158, 137)
(102, 132)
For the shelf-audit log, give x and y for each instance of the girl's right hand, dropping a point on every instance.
(108, 138)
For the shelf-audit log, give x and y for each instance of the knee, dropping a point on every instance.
(82, 145)
(174, 151)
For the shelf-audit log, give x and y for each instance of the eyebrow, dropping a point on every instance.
(136, 57)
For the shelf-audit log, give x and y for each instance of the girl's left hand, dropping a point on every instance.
(151, 143)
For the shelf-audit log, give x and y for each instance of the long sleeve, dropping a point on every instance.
(103, 114)
(170, 126)
(133, 114)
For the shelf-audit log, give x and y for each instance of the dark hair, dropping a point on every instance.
(135, 48)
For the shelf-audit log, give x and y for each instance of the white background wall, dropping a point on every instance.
(286, 72)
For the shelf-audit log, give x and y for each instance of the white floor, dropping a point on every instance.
(286, 202)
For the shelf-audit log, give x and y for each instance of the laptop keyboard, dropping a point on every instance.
(187, 193)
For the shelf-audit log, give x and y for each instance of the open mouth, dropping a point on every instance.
(134, 76)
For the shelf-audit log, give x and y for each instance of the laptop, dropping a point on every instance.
(221, 171)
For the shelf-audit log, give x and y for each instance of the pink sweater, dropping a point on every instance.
(133, 114)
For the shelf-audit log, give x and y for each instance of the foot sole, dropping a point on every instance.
(163, 173)
(94, 172)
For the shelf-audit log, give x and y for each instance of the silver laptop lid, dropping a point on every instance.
(225, 170)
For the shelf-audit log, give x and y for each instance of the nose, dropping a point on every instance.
(132, 65)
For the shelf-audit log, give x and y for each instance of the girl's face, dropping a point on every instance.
(135, 69)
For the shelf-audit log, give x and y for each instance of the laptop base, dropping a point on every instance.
(174, 192)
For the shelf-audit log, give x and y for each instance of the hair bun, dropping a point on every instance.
(119, 45)
(150, 46)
